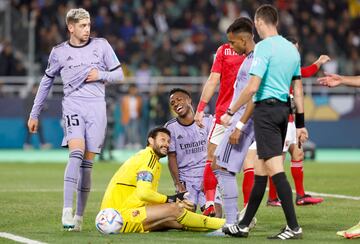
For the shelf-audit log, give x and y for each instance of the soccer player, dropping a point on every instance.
(187, 153)
(231, 152)
(333, 80)
(84, 64)
(133, 192)
(296, 150)
(276, 63)
(224, 70)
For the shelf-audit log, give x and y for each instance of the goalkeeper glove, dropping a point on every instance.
(173, 198)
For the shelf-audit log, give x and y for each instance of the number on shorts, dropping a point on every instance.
(72, 120)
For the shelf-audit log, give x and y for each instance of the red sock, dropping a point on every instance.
(210, 182)
(248, 183)
(298, 175)
(272, 190)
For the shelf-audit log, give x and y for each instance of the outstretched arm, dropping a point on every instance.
(333, 80)
(311, 70)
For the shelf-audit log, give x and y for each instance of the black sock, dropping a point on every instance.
(284, 192)
(256, 196)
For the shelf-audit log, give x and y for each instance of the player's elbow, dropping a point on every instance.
(143, 194)
(252, 90)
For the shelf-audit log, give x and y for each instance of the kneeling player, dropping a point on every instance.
(188, 151)
(133, 192)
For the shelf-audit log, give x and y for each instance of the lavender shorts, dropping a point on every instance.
(84, 118)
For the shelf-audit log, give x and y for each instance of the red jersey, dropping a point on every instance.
(227, 62)
(307, 71)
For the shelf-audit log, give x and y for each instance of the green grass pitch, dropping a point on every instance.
(31, 203)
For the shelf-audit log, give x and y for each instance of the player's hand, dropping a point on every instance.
(199, 119)
(301, 135)
(187, 204)
(330, 80)
(235, 136)
(179, 186)
(173, 198)
(93, 75)
(33, 125)
(225, 119)
(323, 59)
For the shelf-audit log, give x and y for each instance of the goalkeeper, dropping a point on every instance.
(133, 192)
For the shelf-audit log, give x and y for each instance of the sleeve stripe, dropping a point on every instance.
(297, 77)
(49, 76)
(123, 184)
(115, 68)
(152, 161)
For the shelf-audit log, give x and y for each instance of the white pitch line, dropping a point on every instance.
(356, 198)
(332, 195)
(19, 238)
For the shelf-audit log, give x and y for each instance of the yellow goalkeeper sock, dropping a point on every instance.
(200, 222)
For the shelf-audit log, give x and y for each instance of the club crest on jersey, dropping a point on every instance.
(135, 213)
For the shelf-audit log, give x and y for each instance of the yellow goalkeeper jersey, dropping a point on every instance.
(135, 183)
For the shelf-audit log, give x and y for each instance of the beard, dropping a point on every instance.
(157, 149)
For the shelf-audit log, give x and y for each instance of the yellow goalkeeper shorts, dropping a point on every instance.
(133, 219)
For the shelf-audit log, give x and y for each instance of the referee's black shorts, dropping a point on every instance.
(270, 124)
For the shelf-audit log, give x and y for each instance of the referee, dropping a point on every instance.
(276, 63)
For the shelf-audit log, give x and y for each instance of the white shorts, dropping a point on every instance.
(290, 136)
(217, 133)
(253, 146)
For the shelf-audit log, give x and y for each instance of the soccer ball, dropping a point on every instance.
(109, 221)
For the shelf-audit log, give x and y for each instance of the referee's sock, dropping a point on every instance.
(284, 192)
(256, 196)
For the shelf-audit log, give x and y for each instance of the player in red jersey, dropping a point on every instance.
(296, 151)
(224, 69)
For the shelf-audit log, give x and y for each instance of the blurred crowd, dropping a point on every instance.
(172, 38)
(179, 38)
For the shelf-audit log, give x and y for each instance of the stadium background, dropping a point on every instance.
(165, 44)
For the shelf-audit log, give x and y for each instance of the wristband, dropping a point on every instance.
(239, 125)
(299, 120)
(228, 111)
(201, 106)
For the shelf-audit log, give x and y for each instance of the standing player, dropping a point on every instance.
(224, 69)
(231, 152)
(187, 153)
(333, 80)
(295, 150)
(84, 65)
(276, 62)
(133, 192)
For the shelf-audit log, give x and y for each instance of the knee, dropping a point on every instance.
(176, 209)
(298, 155)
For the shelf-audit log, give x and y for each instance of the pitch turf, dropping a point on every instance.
(31, 203)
